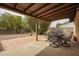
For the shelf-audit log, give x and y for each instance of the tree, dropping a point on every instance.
(18, 24)
(42, 25)
(58, 25)
(6, 21)
(12, 22)
(31, 24)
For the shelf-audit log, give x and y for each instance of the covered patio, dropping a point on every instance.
(46, 12)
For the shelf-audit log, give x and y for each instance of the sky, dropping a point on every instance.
(69, 24)
(53, 23)
(11, 12)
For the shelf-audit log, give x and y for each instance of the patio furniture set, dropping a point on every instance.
(59, 38)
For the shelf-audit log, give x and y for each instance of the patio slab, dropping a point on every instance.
(30, 49)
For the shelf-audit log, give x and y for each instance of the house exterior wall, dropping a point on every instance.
(76, 25)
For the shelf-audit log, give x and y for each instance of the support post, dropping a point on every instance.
(36, 30)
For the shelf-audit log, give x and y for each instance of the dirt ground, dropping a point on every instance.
(12, 41)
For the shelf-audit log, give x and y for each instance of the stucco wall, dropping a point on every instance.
(76, 25)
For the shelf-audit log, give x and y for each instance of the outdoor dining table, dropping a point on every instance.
(60, 37)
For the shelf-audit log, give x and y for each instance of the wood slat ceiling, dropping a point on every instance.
(43, 11)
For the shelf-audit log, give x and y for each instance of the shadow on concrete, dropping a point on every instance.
(61, 51)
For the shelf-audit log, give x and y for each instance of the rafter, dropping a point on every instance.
(61, 11)
(54, 6)
(29, 6)
(39, 8)
(19, 11)
(68, 13)
(55, 9)
(62, 17)
(15, 5)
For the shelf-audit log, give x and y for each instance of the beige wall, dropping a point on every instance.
(76, 25)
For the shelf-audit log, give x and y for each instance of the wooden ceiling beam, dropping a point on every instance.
(39, 8)
(60, 7)
(66, 14)
(62, 17)
(53, 6)
(61, 11)
(19, 11)
(16, 5)
(29, 6)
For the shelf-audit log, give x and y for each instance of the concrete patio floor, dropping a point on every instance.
(23, 46)
(26, 50)
(41, 48)
(62, 51)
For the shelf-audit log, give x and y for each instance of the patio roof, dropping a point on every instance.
(43, 11)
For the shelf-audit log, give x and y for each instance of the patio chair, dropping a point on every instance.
(66, 40)
(53, 39)
(55, 42)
